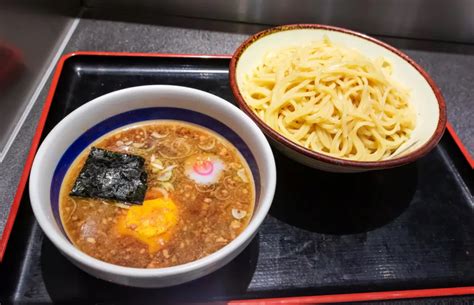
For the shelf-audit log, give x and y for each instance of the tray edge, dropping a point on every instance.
(460, 144)
(359, 297)
(29, 159)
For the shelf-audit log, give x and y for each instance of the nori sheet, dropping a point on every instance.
(112, 175)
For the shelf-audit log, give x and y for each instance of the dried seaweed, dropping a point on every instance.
(112, 175)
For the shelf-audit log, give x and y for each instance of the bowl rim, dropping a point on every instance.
(412, 156)
(69, 250)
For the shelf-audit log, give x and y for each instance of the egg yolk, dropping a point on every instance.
(150, 223)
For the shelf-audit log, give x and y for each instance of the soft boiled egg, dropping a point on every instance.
(204, 168)
(151, 223)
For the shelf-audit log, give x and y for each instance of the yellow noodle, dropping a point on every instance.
(332, 99)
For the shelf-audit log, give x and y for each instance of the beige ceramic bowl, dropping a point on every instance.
(425, 95)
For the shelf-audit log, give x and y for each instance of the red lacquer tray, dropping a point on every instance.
(313, 254)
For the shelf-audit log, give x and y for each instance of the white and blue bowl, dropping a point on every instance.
(124, 107)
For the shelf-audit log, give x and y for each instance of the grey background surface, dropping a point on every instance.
(34, 28)
(426, 19)
(451, 66)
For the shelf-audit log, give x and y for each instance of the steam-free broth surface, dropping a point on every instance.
(200, 196)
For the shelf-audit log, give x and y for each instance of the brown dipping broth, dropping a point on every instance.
(206, 212)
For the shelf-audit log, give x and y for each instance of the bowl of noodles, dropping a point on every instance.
(337, 100)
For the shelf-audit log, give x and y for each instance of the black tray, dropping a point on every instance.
(400, 229)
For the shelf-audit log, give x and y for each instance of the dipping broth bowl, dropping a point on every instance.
(133, 105)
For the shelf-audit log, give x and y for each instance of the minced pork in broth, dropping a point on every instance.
(200, 196)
